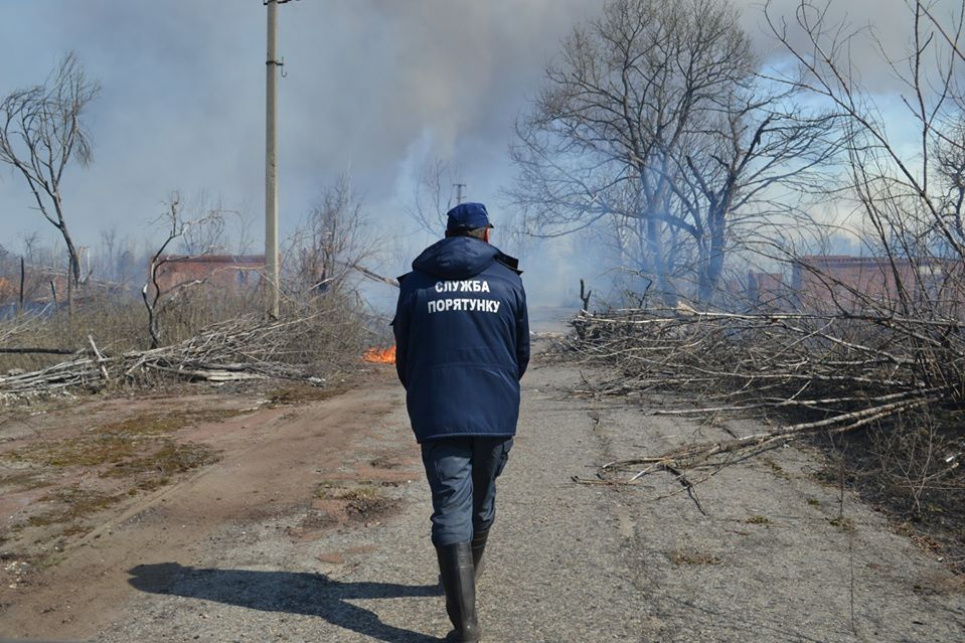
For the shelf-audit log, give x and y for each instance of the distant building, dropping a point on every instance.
(853, 284)
(8, 290)
(46, 290)
(767, 289)
(235, 272)
(41, 285)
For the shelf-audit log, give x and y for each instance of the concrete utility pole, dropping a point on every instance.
(271, 162)
(459, 187)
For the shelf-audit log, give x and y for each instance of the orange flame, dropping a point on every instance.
(380, 355)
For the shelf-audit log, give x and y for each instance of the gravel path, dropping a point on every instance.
(776, 557)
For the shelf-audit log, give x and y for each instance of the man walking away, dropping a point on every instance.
(462, 344)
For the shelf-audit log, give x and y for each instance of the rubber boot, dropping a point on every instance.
(478, 545)
(459, 585)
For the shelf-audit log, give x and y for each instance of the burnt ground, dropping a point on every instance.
(910, 471)
(267, 515)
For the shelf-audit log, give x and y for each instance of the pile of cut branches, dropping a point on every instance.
(815, 372)
(249, 347)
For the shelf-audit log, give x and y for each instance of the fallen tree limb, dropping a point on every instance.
(795, 402)
(841, 372)
(240, 349)
(693, 455)
(39, 351)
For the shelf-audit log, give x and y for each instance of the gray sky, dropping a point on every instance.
(373, 87)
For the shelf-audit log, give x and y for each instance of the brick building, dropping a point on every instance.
(768, 289)
(237, 272)
(852, 284)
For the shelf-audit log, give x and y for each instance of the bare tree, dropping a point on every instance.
(654, 121)
(245, 238)
(211, 234)
(157, 298)
(908, 186)
(871, 344)
(108, 249)
(41, 132)
(435, 193)
(30, 244)
(130, 263)
(333, 241)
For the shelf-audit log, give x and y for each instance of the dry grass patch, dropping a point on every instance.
(942, 584)
(171, 458)
(775, 468)
(842, 522)
(118, 443)
(138, 453)
(72, 505)
(23, 480)
(347, 490)
(691, 557)
(298, 393)
(356, 500)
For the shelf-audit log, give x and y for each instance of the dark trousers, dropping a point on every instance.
(462, 474)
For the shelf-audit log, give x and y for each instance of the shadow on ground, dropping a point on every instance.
(289, 592)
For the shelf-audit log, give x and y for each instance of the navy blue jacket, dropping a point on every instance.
(462, 340)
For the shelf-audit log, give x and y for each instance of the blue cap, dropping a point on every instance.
(468, 216)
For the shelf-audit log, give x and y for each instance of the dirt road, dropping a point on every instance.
(313, 527)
